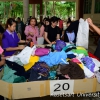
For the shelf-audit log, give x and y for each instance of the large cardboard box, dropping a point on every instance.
(42, 88)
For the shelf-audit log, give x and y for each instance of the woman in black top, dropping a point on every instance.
(72, 28)
(52, 32)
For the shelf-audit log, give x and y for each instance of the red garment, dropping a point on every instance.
(92, 56)
(61, 24)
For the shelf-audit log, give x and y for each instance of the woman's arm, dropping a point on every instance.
(15, 48)
(93, 27)
(26, 30)
(41, 31)
(2, 62)
(45, 37)
(12, 49)
(58, 36)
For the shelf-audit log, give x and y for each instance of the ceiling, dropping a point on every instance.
(43, 0)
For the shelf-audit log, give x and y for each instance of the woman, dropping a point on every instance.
(94, 28)
(52, 32)
(31, 31)
(10, 39)
(42, 28)
(20, 27)
(70, 33)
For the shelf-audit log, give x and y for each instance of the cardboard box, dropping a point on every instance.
(42, 88)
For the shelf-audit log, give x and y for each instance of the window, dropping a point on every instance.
(97, 6)
(87, 6)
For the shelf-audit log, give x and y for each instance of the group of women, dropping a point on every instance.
(48, 29)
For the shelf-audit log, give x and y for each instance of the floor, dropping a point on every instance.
(92, 46)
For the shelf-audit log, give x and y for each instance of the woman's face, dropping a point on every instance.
(68, 24)
(54, 24)
(47, 23)
(33, 22)
(12, 27)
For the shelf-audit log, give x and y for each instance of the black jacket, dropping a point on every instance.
(73, 27)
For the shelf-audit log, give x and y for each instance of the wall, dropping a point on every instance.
(93, 16)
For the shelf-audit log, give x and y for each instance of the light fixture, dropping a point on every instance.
(63, 1)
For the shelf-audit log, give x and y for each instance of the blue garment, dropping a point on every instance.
(71, 36)
(88, 62)
(54, 58)
(52, 75)
(9, 40)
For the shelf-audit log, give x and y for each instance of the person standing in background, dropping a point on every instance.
(94, 28)
(60, 25)
(42, 28)
(20, 27)
(1, 33)
(52, 31)
(32, 31)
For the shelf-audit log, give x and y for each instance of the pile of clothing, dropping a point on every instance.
(56, 62)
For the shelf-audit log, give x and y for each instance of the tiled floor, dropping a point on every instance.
(92, 46)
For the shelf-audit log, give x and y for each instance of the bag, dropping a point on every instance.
(83, 34)
(42, 51)
(25, 54)
(59, 45)
(42, 68)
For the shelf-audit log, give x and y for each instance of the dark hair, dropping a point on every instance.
(59, 19)
(47, 19)
(44, 19)
(54, 19)
(10, 22)
(18, 18)
(34, 19)
(69, 21)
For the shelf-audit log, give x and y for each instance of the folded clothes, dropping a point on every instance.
(32, 61)
(92, 56)
(75, 60)
(69, 46)
(35, 76)
(80, 50)
(42, 51)
(9, 76)
(73, 70)
(88, 62)
(71, 56)
(42, 68)
(52, 75)
(60, 45)
(20, 71)
(54, 58)
(70, 49)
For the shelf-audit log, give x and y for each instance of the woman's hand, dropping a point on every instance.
(31, 33)
(90, 21)
(21, 47)
(53, 42)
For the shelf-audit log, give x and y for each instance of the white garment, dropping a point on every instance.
(24, 56)
(87, 72)
(97, 64)
(83, 34)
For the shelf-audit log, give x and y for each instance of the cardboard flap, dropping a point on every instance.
(98, 87)
(30, 89)
(5, 89)
(85, 86)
